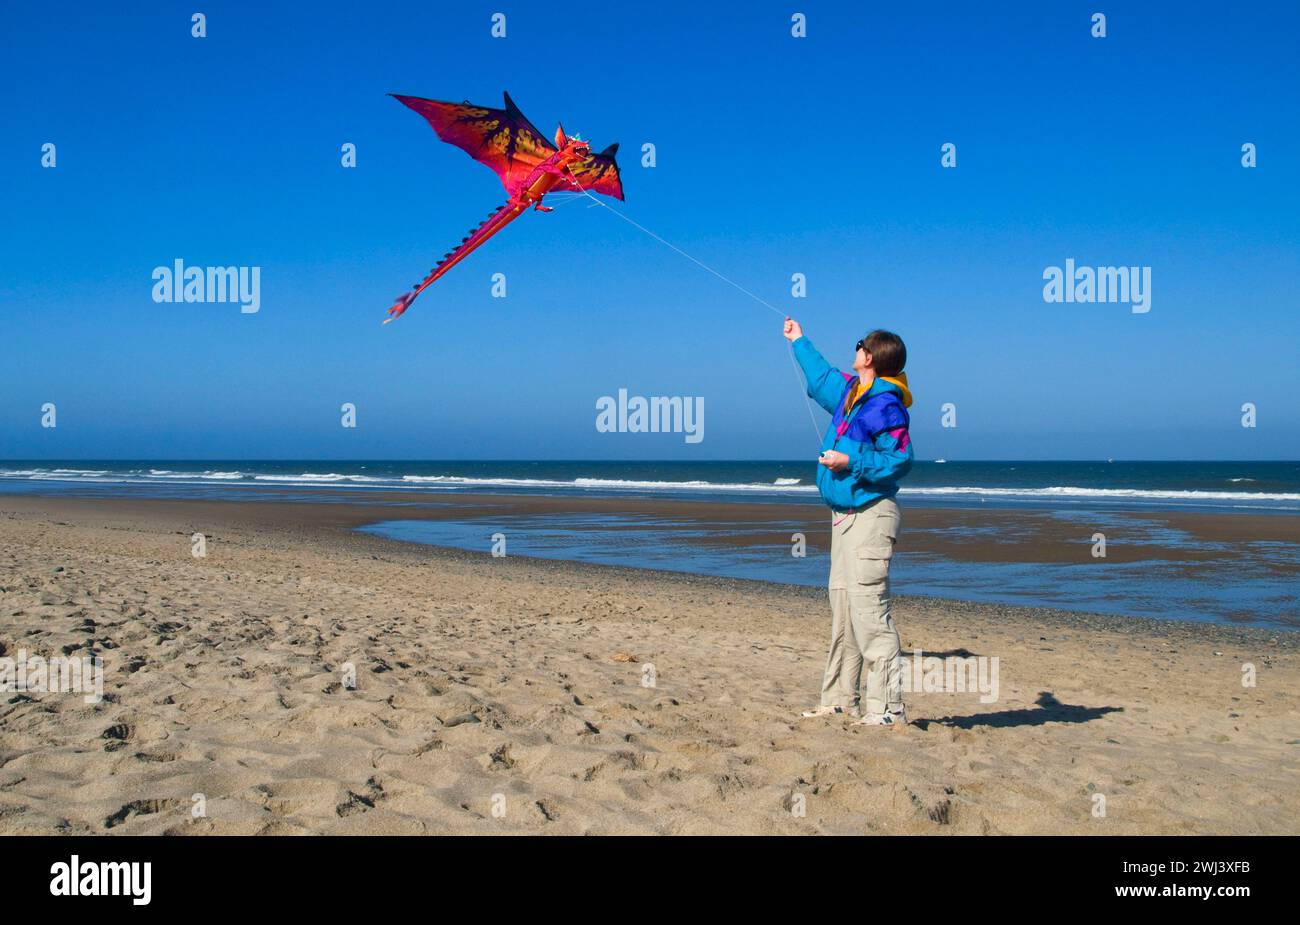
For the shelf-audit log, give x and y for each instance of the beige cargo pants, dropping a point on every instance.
(862, 629)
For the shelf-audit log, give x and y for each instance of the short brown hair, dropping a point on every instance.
(888, 352)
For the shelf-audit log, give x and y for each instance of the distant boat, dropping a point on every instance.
(941, 460)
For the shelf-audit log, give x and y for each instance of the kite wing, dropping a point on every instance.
(599, 173)
(503, 139)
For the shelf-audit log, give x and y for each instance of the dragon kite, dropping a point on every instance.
(527, 164)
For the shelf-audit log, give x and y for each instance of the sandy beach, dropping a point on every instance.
(509, 695)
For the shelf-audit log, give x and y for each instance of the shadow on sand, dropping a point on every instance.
(1048, 710)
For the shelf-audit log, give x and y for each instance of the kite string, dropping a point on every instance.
(730, 282)
(568, 201)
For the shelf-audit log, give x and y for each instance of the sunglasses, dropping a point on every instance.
(862, 345)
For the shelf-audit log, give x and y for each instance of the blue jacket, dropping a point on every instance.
(873, 434)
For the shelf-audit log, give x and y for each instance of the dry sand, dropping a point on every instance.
(489, 684)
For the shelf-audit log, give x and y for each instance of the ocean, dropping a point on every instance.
(1260, 487)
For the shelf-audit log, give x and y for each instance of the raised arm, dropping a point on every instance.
(825, 382)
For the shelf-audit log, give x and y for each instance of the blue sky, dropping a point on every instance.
(775, 156)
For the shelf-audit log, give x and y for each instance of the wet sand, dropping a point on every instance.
(962, 534)
(508, 695)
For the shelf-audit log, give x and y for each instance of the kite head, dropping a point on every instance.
(573, 149)
(580, 149)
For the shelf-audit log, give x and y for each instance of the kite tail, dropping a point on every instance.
(402, 304)
(497, 220)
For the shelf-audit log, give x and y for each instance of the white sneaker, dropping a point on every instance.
(884, 719)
